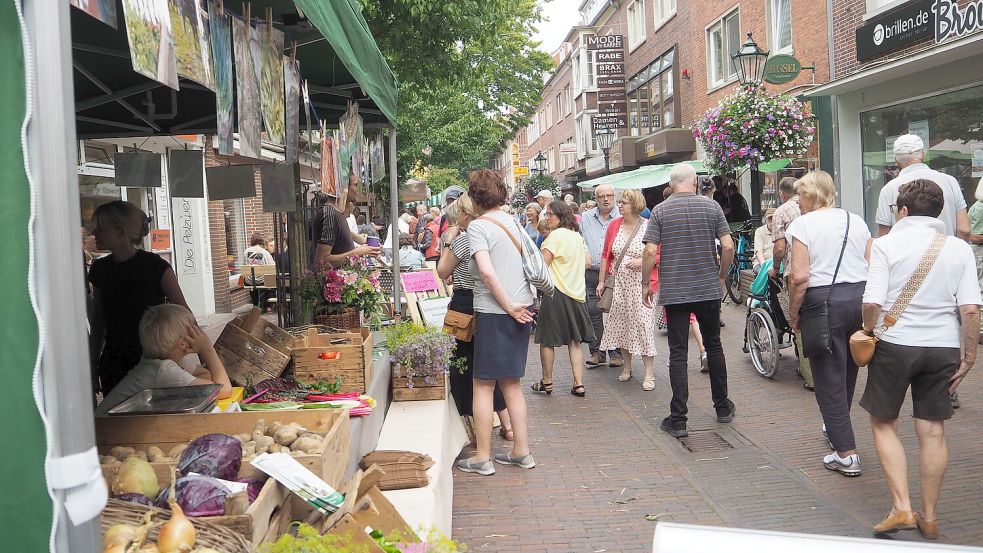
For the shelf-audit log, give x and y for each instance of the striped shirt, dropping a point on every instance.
(687, 226)
(461, 247)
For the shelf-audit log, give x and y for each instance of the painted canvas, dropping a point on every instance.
(377, 156)
(340, 174)
(190, 48)
(221, 47)
(266, 44)
(327, 164)
(103, 10)
(247, 91)
(291, 86)
(148, 31)
(350, 134)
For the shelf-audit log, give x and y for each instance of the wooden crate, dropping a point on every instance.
(353, 366)
(166, 431)
(253, 349)
(254, 524)
(420, 390)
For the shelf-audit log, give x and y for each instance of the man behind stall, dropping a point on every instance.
(168, 334)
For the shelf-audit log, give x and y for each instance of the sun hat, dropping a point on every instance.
(908, 143)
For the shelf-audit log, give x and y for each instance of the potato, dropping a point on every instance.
(307, 445)
(263, 444)
(249, 448)
(286, 435)
(121, 452)
(274, 427)
(260, 426)
(154, 454)
(109, 460)
(176, 451)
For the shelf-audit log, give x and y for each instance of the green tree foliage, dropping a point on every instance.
(440, 178)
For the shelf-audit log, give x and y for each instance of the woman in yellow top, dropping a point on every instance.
(563, 318)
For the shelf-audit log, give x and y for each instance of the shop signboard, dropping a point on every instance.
(568, 148)
(781, 69)
(609, 69)
(605, 42)
(915, 21)
(599, 122)
(515, 148)
(611, 96)
(612, 108)
(611, 82)
(610, 56)
(520, 171)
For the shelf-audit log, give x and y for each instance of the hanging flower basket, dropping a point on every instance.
(751, 127)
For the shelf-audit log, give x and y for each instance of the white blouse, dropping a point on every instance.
(822, 232)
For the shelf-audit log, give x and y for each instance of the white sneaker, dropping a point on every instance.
(850, 466)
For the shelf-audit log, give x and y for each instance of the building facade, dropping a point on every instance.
(905, 66)
(551, 132)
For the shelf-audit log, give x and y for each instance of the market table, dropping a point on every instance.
(365, 430)
(434, 428)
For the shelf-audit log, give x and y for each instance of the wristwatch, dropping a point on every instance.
(446, 244)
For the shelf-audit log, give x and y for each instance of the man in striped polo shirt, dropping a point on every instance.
(690, 281)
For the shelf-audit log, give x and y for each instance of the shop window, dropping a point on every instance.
(949, 124)
(723, 41)
(780, 26)
(636, 23)
(559, 107)
(235, 232)
(549, 115)
(664, 9)
(651, 100)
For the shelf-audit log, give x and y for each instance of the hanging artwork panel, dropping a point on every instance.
(220, 38)
(148, 32)
(350, 135)
(327, 164)
(229, 182)
(378, 162)
(340, 177)
(267, 46)
(291, 89)
(186, 174)
(191, 47)
(278, 188)
(137, 169)
(247, 91)
(103, 10)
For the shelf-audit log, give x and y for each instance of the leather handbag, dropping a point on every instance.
(862, 344)
(814, 319)
(459, 325)
(606, 299)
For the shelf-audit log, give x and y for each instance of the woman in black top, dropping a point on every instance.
(125, 283)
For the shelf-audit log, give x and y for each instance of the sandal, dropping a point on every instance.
(625, 375)
(648, 384)
(579, 390)
(542, 387)
(506, 434)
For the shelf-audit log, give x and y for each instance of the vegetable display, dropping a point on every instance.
(198, 496)
(215, 455)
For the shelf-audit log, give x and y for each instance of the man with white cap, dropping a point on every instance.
(544, 198)
(909, 152)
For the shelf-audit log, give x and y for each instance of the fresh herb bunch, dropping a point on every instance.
(326, 290)
(304, 538)
(419, 352)
(750, 127)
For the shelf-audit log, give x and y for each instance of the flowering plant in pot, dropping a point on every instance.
(327, 291)
(419, 352)
(750, 127)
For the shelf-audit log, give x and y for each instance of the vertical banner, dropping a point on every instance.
(192, 253)
(148, 32)
(291, 89)
(247, 89)
(266, 44)
(221, 45)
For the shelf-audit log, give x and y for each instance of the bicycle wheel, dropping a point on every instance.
(733, 283)
(762, 341)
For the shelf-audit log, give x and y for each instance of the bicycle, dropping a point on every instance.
(743, 260)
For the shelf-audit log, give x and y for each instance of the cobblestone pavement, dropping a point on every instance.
(604, 465)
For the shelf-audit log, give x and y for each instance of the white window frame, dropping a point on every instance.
(559, 106)
(636, 19)
(774, 29)
(876, 7)
(664, 11)
(549, 115)
(730, 73)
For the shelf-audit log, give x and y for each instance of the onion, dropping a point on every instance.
(118, 533)
(136, 476)
(177, 535)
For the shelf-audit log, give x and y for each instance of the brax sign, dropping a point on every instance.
(915, 21)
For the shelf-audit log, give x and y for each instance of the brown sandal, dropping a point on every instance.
(506, 434)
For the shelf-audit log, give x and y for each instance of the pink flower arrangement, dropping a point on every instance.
(327, 289)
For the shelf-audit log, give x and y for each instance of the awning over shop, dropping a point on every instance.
(644, 177)
(337, 54)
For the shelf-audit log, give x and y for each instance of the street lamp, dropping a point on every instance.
(540, 161)
(749, 62)
(605, 137)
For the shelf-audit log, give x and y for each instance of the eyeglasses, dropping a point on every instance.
(604, 196)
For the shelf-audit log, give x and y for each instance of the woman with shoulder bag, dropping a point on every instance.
(630, 326)
(455, 260)
(830, 248)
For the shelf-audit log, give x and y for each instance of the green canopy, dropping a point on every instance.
(646, 176)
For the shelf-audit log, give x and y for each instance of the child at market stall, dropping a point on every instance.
(168, 335)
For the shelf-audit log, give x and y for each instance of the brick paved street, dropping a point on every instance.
(603, 464)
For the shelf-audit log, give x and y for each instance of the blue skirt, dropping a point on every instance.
(500, 347)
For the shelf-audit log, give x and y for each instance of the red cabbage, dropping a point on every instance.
(138, 498)
(253, 487)
(198, 496)
(215, 455)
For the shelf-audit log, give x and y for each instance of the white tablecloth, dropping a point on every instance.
(434, 428)
(365, 431)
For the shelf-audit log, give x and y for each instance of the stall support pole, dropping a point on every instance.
(65, 377)
(393, 223)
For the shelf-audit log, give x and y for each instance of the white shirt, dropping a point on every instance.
(149, 373)
(932, 317)
(822, 232)
(404, 228)
(954, 200)
(352, 224)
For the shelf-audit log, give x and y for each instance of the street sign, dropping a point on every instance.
(781, 69)
(610, 69)
(611, 82)
(515, 148)
(610, 56)
(568, 148)
(605, 42)
(520, 171)
(611, 96)
(599, 122)
(612, 108)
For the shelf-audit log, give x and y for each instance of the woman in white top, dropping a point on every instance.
(818, 273)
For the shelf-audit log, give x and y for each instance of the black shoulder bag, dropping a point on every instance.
(814, 319)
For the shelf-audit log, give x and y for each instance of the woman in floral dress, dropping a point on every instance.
(630, 326)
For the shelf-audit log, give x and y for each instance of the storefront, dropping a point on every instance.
(935, 93)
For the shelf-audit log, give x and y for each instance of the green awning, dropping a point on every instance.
(774, 165)
(646, 176)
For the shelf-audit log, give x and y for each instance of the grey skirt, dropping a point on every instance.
(500, 347)
(562, 320)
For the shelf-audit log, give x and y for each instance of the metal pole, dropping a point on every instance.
(393, 223)
(755, 194)
(65, 378)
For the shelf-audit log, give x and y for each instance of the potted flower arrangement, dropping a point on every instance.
(420, 358)
(337, 297)
(750, 127)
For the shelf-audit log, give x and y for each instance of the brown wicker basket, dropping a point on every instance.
(347, 319)
(206, 534)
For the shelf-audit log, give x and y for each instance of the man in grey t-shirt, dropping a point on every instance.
(487, 236)
(686, 226)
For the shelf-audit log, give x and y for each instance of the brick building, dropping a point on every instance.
(677, 64)
(553, 123)
(905, 66)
